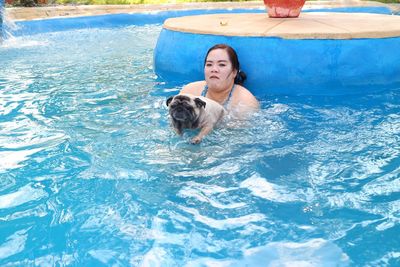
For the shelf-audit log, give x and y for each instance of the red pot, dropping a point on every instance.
(284, 8)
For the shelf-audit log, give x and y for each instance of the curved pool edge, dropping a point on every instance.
(300, 80)
(28, 21)
(30, 27)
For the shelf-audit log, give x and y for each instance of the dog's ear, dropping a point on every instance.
(199, 103)
(169, 100)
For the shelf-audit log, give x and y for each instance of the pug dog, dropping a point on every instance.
(192, 112)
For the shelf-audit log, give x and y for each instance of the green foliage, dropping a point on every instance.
(389, 1)
(27, 3)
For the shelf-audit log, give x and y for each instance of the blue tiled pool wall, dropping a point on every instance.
(120, 20)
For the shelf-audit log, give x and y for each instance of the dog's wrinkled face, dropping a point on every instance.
(184, 108)
(190, 112)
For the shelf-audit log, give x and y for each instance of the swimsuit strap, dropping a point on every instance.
(204, 92)
(230, 95)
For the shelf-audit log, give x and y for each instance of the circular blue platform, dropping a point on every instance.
(282, 60)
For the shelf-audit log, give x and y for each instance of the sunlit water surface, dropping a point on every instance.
(91, 173)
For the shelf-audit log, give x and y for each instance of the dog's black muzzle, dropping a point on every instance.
(181, 113)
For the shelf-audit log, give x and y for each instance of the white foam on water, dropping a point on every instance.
(14, 244)
(314, 252)
(22, 196)
(20, 42)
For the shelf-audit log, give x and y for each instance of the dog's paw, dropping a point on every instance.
(178, 132)
(195, 140)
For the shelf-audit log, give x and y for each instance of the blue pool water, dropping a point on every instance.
(91, 174)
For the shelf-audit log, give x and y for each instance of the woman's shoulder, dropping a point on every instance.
(242, 90)
(194, 88)
(244, 96)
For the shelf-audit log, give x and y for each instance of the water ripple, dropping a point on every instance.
(205, 194)
(224, 224)
(14, 159)
(223, 168)
(260, 187)
(14, 244)
(23, 195)
(314, 252)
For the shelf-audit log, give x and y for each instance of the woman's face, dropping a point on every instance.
(218, 70)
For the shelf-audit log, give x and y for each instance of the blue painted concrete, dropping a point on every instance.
(282, 66)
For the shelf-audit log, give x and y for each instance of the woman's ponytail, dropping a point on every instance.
(240, 77)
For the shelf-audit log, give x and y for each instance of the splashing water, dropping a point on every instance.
(7, 26)
(1, 19)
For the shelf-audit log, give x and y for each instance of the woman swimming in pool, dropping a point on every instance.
(223, 82)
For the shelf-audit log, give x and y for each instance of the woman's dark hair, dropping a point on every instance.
(240, 76)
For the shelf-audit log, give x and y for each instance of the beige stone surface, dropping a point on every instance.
(29, 13)
(314, 25)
